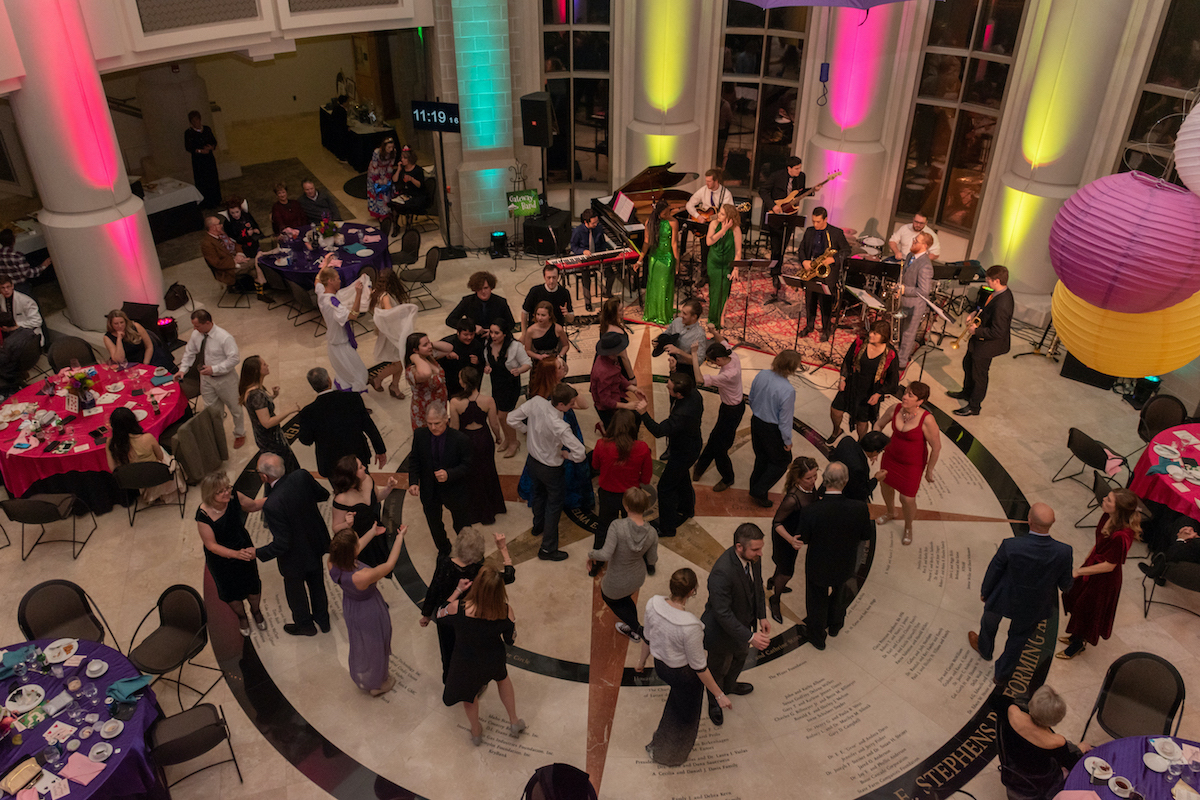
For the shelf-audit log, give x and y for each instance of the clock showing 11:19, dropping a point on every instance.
(435, 116)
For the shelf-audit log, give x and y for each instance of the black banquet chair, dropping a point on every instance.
(1141, 694)
(63, 349)
(42, 509)
(146, 475)
(181, 635)
(188, 735)
(410, 248)
(1161, 412)
(59, 609)
(416, 281)
(1090, 452)
(1184, 574)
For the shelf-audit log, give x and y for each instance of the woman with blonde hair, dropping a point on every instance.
(266, 424)
(127, 341)
(483, 623)
(228, 549)
(1092, 599)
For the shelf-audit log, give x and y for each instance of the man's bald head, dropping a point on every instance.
(1041, 518)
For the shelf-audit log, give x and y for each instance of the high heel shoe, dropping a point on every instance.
(516, 449)
(260, 621)
(515, 728)
(395, 392)
(776, 612)
(1064, 639)
(906, 539)
(833, 437)
(377, 384)
(477, 738)
(884, 519)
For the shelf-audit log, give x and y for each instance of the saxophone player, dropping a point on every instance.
(819, 237)
(916, 281)
(990, 337)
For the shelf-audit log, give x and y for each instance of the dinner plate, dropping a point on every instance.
(1166, 451)
(1176, 471)
(24, 698)
(1155, 762)
(1167, 748)
(140, 413)
(115, 387)
(111, 729)
(281, 262)
(1092, 763)
(60, 650)
(1194, 479)
(96, 668)
(1117, 787)
(100, 751)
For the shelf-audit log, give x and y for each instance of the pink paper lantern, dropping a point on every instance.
(1128, 243)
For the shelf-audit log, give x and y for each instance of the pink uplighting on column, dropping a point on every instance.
(855, 67)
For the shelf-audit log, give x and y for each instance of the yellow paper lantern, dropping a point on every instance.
(1128, 345)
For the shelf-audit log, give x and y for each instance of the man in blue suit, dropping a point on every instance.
(1022, 583)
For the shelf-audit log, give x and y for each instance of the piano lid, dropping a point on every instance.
(657, 177)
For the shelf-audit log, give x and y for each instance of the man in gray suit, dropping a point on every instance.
(736, 601)
(916, 282)
(1022, 583)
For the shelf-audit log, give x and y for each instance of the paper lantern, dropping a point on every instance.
(1187, 150)
(1128, 243)
(1127, 345)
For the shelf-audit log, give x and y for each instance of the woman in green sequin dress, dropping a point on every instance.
(724, 246)
(661, 255)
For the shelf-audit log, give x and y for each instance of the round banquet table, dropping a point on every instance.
(1182, 497)
(1125, 757)
(128, 771)
(303, 263)
(22, 468)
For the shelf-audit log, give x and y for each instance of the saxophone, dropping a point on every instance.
(819, 266)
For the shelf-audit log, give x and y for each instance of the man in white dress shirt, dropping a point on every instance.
(23, 308)
(547, 436)
(216, 355)
(902, 239)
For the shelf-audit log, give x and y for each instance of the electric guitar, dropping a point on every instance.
(706, 215)
(791, 203)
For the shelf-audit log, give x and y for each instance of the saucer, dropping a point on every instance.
(96, 668)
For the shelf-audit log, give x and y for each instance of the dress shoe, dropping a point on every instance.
(239, 442)
(762, 501)
(807, 331)
(741, 688)
(556, 555)
(721, 486)
(966, 411)
(595, 569)
(807, 635)
(324, 628)
(824, 336)
(1154, 571)
(650, 569)
(973, 640)
(957, 395)
(776, 612)
(300, 630)
(715, 713)
(833, 632)
(833, 437)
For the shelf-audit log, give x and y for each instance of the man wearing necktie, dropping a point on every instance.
(215, 355)
(586, 239)
(709, 198)
(437, 471)
(736, 606)
(916, 281)
(818, 238)
(350, 373)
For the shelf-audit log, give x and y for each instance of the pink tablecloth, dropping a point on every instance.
(1180, 496)
(22, 469)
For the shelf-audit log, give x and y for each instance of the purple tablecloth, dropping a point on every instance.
(1125, 756)
(304, 262)
(128, 770)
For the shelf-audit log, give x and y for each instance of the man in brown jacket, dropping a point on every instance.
(226, 259)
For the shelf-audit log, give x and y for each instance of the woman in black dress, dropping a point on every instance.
(475, 415)
(483, 623)
(544, 337)
(126, 340)
(354, 493)
(798, 492)
(266, 424)
(507, 361)
(228, 550)
(241, 227)
(464, 563)
(1034, 760)
(199, 141)
(870, 372)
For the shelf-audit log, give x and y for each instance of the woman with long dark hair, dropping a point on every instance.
(914, 445)
(393, 316)
(798, 492)
(611, 320)
(507, 361)
(130, 444)
(475, 415)
(358, 505)
(544, 337)
(623, 462)
(870, 372)
(424, 374)
(268, 433)
(660, 255)
(242, 227)
(1092, 599)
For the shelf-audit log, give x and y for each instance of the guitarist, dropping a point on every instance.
(819, 237)
(703, 207)
(781, 184)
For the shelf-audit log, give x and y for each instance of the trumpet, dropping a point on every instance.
(966, 334)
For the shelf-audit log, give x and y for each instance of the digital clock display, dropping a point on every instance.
(435, 116)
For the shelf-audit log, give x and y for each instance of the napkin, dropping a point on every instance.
(1181, 791)
(1187, 438)
(22, 438)
(1077, 794)
(1160, 468)
(27, 794)
(81, 769)
(1190, 752)
(12, 657)
(126, 689)
(357, 250)
(162, 380)
(370, 239)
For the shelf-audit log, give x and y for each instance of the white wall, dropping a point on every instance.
(290, 83)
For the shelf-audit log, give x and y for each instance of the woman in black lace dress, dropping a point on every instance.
(354, 492)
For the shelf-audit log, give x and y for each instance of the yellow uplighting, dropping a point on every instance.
(1056, 108)
(664, 66)
(1018, 213)
(661, 149)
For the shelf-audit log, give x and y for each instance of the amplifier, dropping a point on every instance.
(548, 235)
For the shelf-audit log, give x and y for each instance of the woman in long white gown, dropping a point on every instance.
(393, 323)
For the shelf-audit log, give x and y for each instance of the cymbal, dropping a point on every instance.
(871, 251)
(872, 241)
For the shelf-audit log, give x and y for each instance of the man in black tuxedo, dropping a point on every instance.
(781, 183)
(437, 471)
(858, 455)
(339, 425)
(819, 237)
(299, 540)
(832, 527)
(990, 337)
(1022, 583)
(481, 306)
(466, 351)
(736, 604)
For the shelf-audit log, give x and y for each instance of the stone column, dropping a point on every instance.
(861, 52)
(1060, 90)
(96, 228)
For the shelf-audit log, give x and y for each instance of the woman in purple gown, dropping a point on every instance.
(367, 621)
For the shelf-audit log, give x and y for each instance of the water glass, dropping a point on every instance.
(52, 756)
(1175, 769)
(21, 670)
(90, 693)
(75, 713)
(57, 671)
(1194, 768)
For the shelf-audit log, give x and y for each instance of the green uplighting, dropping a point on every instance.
(484, 81)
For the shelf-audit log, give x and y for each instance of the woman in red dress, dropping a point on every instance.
(1092, 599)
(913, 449)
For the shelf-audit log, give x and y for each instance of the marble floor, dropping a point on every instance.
(888, 701)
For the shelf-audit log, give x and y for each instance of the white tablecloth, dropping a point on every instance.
(166, 193)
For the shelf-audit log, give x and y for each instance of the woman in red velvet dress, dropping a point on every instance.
(1092, 599)
(912, 450)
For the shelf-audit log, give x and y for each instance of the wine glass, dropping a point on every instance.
(1175, 769)
(52, 756)
(21, 670)
(90, 692)
(75, 713)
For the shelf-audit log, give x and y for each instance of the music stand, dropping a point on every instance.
(790, 223)
(929, 347)
(866, 300)
(748, 265)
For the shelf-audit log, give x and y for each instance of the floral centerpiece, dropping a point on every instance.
(80, 384)
(323, 234)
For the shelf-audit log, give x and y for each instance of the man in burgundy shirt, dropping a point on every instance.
(608, 382)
